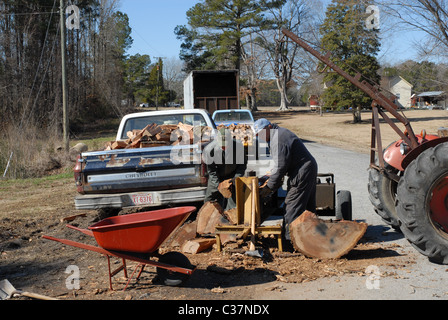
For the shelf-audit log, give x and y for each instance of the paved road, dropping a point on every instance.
(422, 280)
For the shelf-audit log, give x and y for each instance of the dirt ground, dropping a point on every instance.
(31, 210)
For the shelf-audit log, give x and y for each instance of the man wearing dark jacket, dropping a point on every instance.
(225, 159)
(292, 159)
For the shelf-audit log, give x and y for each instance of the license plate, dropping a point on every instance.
(143, 199)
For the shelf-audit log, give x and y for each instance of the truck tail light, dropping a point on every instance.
(77, 170)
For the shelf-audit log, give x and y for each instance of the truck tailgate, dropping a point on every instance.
(147, 169)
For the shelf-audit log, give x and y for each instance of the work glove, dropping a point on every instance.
(226, 188)
(265, 191)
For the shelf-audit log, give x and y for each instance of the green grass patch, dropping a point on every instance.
(5, 184)
(94, 144)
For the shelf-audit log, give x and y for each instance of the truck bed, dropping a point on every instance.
(146, 169)
(155, 160)
(147, 176)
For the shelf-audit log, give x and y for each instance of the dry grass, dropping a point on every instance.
(33, 152)
(336, 129)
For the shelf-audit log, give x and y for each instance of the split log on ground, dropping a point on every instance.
(186, 232)
(225, 188)
(197, 245)
(209, 216)
(321, 239)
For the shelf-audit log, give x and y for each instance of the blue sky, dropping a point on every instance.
(153, 23)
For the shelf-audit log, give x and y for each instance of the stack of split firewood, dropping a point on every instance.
(242, 132)
(154, 135)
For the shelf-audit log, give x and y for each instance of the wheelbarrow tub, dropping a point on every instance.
(142, 232)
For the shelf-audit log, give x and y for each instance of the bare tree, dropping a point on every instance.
(253, 69)
(283, 53)
(30, 70)
(174, 76)
(429, 16)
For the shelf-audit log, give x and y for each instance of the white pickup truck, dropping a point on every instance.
(144, 177)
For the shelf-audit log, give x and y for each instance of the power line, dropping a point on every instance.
(27, 13)
(144, 40)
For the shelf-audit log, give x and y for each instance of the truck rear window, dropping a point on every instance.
(142, 122)
(233, 116)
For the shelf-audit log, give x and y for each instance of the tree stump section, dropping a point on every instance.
(225, 188)
(316, 238)
(209, 216)
(184, 233)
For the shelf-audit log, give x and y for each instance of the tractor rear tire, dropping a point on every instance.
(382, 194)
(422, 203)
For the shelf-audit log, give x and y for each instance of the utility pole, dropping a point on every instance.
(159, 59)
(65, 121)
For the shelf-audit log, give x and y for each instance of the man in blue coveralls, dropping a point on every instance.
(292, 159)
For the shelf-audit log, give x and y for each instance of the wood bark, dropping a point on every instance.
(225, 188)
(209, 216)
(321, 239)
(195, 246)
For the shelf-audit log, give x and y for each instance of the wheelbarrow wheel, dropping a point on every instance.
(170, 278)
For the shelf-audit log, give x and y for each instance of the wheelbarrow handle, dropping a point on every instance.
(85, 231)
(122, 255)
(35, 296)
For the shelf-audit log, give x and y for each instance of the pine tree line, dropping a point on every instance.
(30, 62)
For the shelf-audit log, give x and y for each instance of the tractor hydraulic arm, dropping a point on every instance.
(379, 99)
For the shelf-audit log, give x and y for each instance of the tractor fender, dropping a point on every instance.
(393, 156)
(431, 142)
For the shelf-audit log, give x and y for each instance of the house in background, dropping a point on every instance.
(400, 89)
(430, 100)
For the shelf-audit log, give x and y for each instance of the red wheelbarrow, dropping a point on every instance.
(138, 237)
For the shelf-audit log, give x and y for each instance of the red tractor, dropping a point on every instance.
(408, 180)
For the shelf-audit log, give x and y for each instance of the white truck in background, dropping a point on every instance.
(145, 177)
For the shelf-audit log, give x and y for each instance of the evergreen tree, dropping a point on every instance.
(217, 29)
(157, 94)
(137, 69)
(193, 51)
(353, 47)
